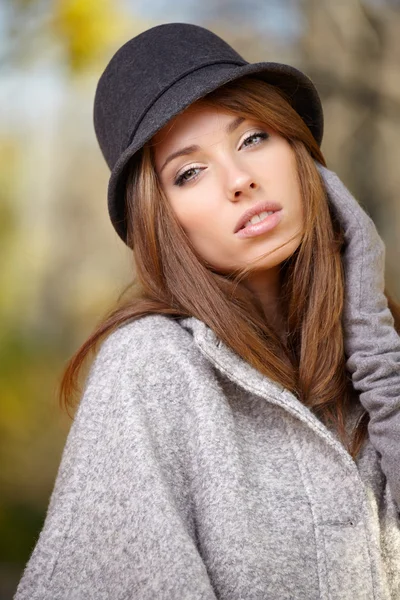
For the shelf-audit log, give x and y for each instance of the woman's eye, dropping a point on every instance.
(255, 138)
(187, 175)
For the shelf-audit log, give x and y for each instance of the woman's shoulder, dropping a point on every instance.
(153, 346)
(146, 336)
(142, 362)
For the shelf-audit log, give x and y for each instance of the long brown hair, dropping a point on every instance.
(172, 279)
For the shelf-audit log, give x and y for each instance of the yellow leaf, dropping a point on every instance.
(88, 28)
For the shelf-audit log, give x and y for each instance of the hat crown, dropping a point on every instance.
(142, 69)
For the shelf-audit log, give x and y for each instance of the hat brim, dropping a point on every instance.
(297, 87)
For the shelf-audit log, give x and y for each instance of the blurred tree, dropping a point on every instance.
(352, 50)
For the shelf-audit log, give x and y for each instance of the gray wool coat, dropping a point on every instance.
(189, 475)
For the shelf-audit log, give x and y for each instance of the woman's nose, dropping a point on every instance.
(240, 182)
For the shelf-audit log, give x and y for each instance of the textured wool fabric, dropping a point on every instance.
(372, 345)
(157, 74)
(188, 474)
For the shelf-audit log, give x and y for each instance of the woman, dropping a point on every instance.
(238, 432)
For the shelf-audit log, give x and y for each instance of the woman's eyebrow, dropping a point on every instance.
(230, 128)
(183, 152)
(234, 124)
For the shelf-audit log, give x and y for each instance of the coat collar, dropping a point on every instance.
(254, 382)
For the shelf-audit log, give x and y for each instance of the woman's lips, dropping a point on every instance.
(262, 227)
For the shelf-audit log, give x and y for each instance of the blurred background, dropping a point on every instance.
(62, 266)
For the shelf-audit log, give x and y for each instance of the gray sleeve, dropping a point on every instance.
(372, 344)
(118, 524)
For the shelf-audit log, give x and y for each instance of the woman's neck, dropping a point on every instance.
(266, 286)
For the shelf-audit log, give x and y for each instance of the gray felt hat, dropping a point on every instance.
(160, 72)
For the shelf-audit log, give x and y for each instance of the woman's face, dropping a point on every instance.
(213, 167)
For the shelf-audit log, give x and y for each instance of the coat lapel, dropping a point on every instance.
(254, 382)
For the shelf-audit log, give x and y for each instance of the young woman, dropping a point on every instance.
(238, 435)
